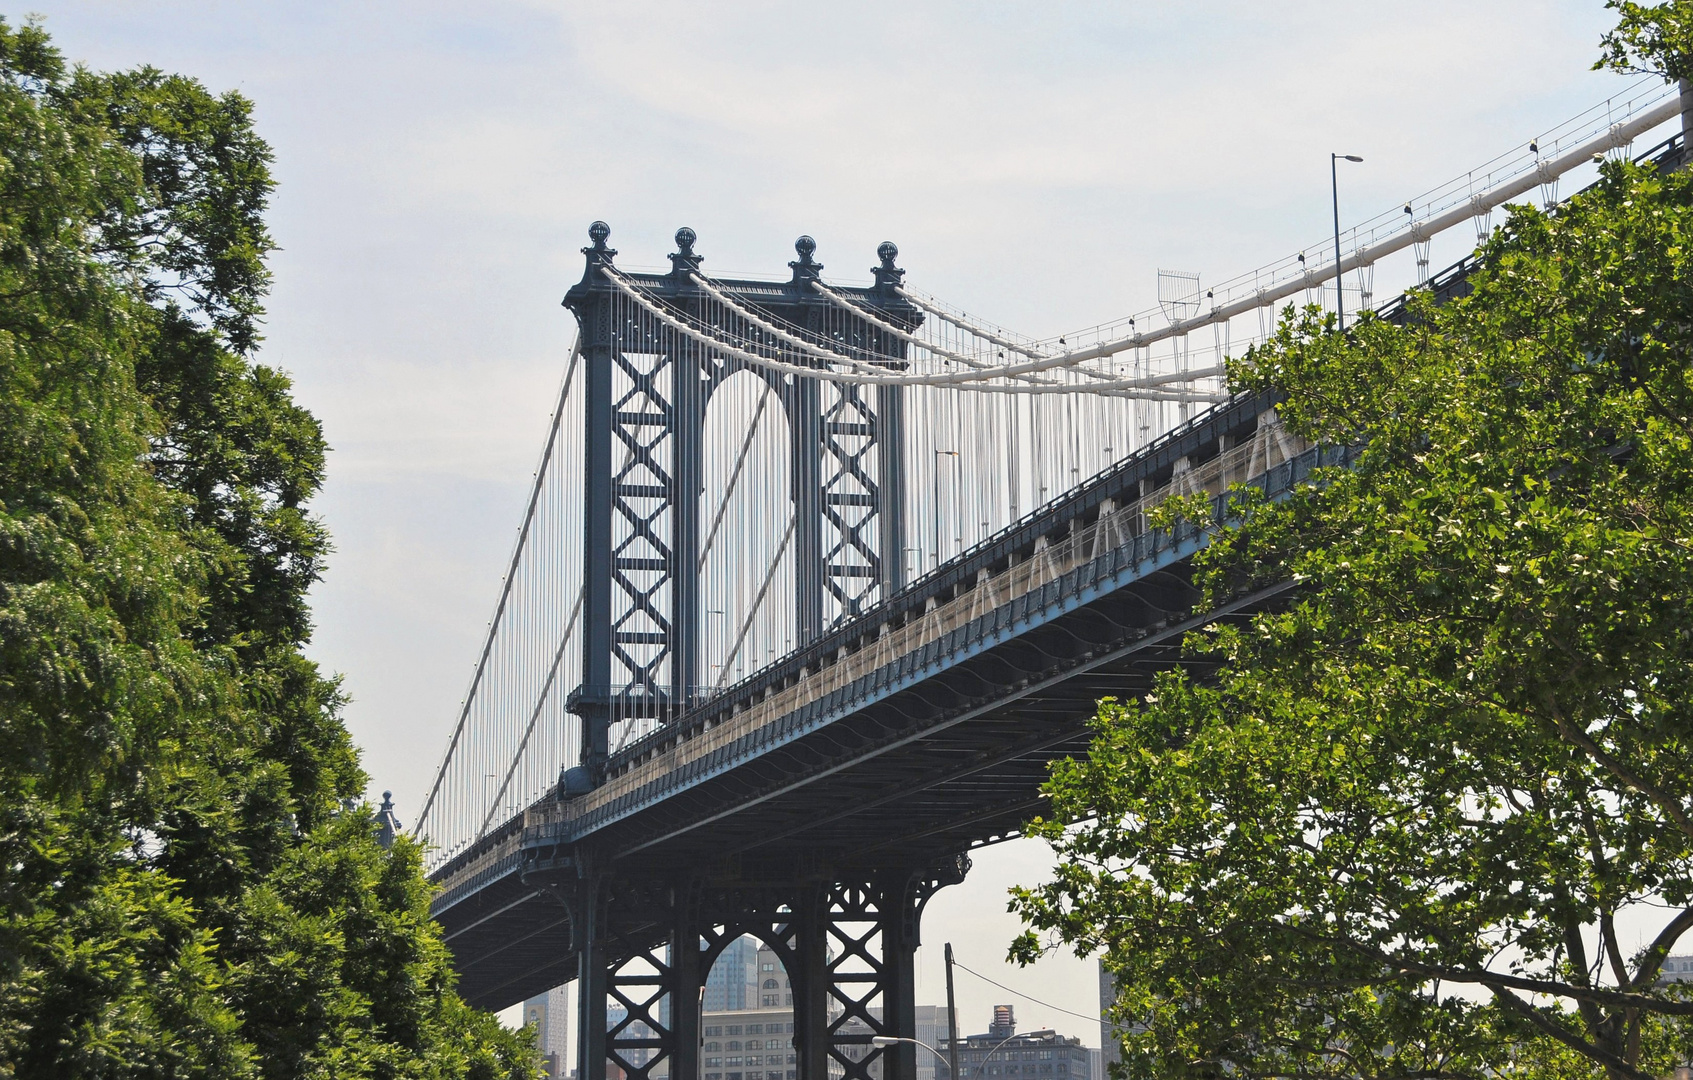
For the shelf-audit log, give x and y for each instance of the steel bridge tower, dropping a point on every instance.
(646, 936)
(647, 390)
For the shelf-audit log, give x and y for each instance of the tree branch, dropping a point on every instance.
(1575, 735)
(1563, 1035)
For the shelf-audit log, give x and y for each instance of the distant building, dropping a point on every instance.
(1096, 1064)
(1034, 1055)
(549, 1015)
(931, 1029)
(1676, 969)
(751, 1035)
(732, 983)
(1110, 1050)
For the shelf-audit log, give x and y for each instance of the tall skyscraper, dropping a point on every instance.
(1109, 1051)
(733, 981)
(549, 1015)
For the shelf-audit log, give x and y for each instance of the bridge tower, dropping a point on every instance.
(648, 386)
(645, 935)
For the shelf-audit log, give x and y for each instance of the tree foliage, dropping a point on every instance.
(187, 888)
(1434, 816)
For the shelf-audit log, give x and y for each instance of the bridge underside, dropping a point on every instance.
(899, 768)
(952, 763)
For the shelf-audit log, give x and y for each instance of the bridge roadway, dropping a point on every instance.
(923, 727)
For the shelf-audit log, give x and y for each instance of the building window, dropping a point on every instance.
(790, 998)
(734, 1063)
(771, 984)
(767, 967)
(733, 1046)
(734, 1029)
(713, 1062)
(792, 1059)
(710, 1031)
(709, 1047)
(713, 1076)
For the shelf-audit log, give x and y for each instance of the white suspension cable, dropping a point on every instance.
(506, 585)
(969, 327)
(959, 380)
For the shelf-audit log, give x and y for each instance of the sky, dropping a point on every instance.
(1037, 163)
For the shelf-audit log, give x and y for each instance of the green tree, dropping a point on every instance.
(184, 891)
(1434, 817)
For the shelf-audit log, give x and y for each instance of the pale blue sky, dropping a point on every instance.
(1035, 162)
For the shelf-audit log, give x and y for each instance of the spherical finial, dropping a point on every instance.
(598, 232)
(805, 245)
(387, 796)
(887, 251)
(685, 238)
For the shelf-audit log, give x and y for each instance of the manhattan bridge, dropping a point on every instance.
(816, 579)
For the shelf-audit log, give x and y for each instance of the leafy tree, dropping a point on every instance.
(1434, 816)
(186, 888)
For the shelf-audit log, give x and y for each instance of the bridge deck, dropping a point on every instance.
(925, 725)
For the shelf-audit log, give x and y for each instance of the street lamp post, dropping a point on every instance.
(1334, 189)
(937, 494)
(895, 1040)
(891, 1040)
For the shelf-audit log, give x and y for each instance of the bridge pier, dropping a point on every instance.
(848, 941)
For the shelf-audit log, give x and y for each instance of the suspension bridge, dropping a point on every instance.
(814, 581)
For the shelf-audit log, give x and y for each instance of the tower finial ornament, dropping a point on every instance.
(806, 268)
(888, 276)
(685, 261)
(598, 257)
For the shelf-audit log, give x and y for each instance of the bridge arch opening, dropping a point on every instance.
(747, 523)
(747, 1014)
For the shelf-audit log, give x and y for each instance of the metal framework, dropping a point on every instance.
(646, 943)
(820, 803)
(648, 387)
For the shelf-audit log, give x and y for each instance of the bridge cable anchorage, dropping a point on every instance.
(971, 380)
(506, 585)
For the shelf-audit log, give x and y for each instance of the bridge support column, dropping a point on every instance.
(639, 1001)
(590, 981)
(902, 909)
(805, 440)
(810, 979)
(687, 987)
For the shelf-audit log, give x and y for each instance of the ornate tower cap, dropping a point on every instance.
(805, 267)
(685, 261)
(888, 276)
(598, 232)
